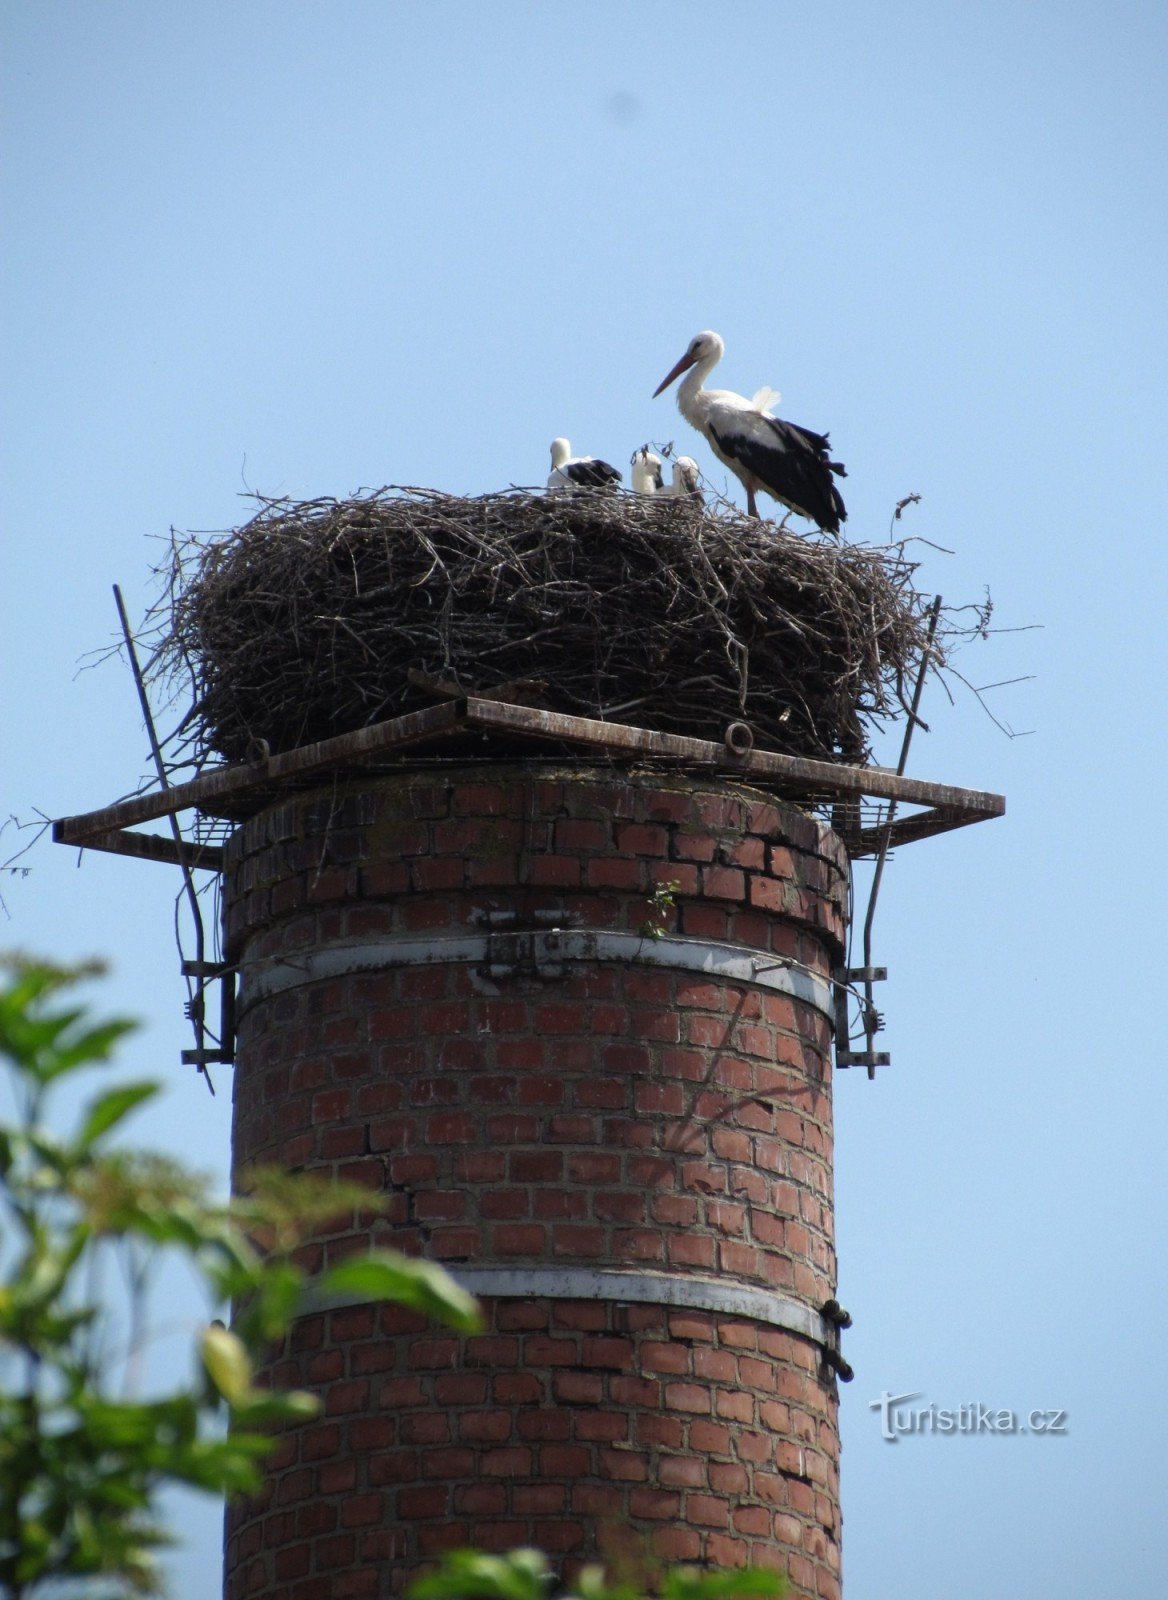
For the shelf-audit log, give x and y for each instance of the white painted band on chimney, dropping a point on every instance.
(541, 950)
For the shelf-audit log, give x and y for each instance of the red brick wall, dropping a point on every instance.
(617, 1117)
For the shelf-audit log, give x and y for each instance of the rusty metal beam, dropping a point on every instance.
(798, 772)
(907, 830)
(945, 805)
(152, 847)
(235, 780)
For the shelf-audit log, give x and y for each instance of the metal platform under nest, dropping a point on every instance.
(862, 803)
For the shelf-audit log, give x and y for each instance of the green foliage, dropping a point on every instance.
(526, 1575)
(662, 904)
(82, 1456)
(471, 1575)
(750, 1583)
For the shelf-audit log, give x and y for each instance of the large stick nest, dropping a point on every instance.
(322, 617)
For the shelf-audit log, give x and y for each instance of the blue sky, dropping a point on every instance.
(301, 249)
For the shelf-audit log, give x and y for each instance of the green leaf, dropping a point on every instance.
(45, 1271)
(275, 1291)
(227, 1363)
(224, 1466)
(43, 1044)
(109, 1109)
(421, 1285)
(747, 1583)
(263, 1407)
(86, 1049)
(591, 1584)
(471, 1575)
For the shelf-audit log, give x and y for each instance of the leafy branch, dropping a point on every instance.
(83, 1457)
(526, 1575)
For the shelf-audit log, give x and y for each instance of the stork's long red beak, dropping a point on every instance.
(686, 361)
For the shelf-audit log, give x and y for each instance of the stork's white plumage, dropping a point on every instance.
(763, 452)
(579, 472)
(687, 480)
(647, 478)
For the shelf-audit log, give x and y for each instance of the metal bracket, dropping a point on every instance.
(205, 971)
(836, 1319)
(845, 979)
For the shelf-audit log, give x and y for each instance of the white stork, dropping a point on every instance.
(646, 467)
(579, 472)
(686, 480)
(790, 463)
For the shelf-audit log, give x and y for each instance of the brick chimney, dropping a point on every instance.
(608, 1112)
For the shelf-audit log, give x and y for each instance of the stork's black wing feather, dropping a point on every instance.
(589, 473)
(792, 464)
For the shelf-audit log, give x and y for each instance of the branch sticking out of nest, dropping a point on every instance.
(321, 617)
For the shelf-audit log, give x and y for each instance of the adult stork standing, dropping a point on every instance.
(579, 472)
(763, 452)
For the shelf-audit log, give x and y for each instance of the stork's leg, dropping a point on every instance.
(751, 502)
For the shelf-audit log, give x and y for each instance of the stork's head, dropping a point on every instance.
(646, 467)
(561, 451)
(685, 474)
(705, 348)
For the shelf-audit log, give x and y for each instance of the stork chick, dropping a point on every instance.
(579, 472)
(647, 478)
(687, 480)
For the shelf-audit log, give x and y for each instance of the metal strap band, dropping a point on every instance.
(633, 1288)
(646, 1288)
(542, 952)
